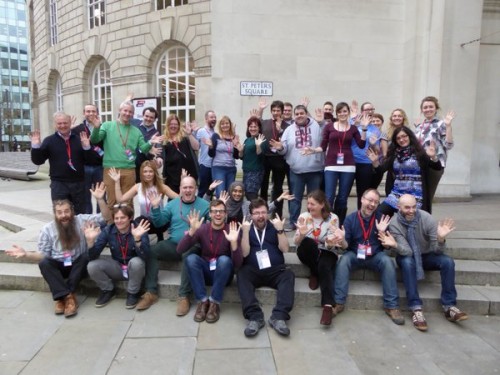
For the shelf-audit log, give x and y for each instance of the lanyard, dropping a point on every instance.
(123, 248)
(260, 240)
(213, 251)
(366, 233)
(176, 145)
(124, 142)
(275, 133)
(229, 145)
(317, 231)
(343, 139)
(68, 150)
(180, 211)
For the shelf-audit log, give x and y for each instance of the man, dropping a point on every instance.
(263, 243)
(62, 251)
(66, 152)
(301, 145)
(274, 163)
(93, 162)
(322, 115)
(175, 213)
(121, 140)
(220, 255)
(203, 135)
(288, 113)
(364, 250)
(148, 130)
(419, 242)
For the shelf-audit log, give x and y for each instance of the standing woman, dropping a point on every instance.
(439, 132)
(222, 148)
(178, 152)
(339, 163)
(315, 240)
(408, 166)
(397, 119)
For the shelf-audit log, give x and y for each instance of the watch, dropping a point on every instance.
(281, 231)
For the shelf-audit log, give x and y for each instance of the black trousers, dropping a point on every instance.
(279, 168)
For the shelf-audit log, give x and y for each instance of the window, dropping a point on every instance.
(53, 21)
(175, 83)
(102, 91)
(59, 95)
(163, 4)
(97, 13)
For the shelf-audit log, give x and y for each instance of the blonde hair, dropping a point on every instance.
(157, 180)
(231, 130)
(391, 127)
(180, 134)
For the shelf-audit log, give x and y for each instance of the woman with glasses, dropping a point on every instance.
(407, 165)
(151, 182)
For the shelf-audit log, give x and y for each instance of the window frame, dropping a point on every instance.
(98, 87)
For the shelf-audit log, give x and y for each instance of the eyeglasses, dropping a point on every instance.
(217, 212)
(259, 213)
(120, 205)
(372, 201)
(402, 136)
(369, 109)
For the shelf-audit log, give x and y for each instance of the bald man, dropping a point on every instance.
(420, 242)
(176, 213)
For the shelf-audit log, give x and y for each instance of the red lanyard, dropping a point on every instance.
(124, 142)
(317, 231)
(366, 233)
(213, 251)
(229, 145)
(275, 137)
(343, 139)
(68, 150)
(123, 249)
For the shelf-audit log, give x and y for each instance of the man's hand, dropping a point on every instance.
(98, 191)
(84, 139)
(35, 137)
(278, 223)
(445, 227)
(140, 230)
(224, 196)
(383, 223)
(245, 225)
(154, 198)
(387, 240)
(157, 138)
(234, 231)
(194, 221)
(16, 252)
(91, 232)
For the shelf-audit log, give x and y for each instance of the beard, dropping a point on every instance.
(68, 234)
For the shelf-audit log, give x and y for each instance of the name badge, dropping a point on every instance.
(340, 158)
(213, 264)
(124, 271)
(361, 251)
(130, 155)
(263, 259)
(67, 260)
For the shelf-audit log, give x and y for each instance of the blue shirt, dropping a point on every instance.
(270, 243)
(354, 232)
(360, 153)
(203, 158)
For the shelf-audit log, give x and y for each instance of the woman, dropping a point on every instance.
(407, 165)
(379, 147)
(150, 182)
(222, 147)
(251, 152)
(397, 119)
(339, 163)
(178, 152)
(129, 245)
(438, 132)
(315, 240)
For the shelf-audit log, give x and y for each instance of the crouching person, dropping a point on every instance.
(129, 245)
(220, 255)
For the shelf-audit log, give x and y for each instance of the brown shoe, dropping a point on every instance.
(326, 317)
(70, 306)
(395, 316)
(147, 300)
(60, 305)
(419, 321)
(183, 306)
(313, 282)
(454, 314)
(213, 312)
(337, 309)
(201, 311)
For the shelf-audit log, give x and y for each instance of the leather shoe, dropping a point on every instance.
(313, 282)
(201, 311)
(326, 317)
(213, 313)
(60, 305)
(70, 305)
(183, 306)
(147, 300)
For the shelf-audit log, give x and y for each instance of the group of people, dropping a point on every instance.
(235, 232)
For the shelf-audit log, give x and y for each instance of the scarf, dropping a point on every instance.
(404, 153)
(412, 241)
(234, 207)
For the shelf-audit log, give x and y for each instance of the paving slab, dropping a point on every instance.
(235, 361)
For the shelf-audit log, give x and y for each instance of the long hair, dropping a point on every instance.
(157, 181)
(176, 137)
(391, 127)
(320, 197)
(415, 145)
(231, 130)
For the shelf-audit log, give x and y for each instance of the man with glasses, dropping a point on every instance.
(263, 243)
(220, 255)
(360, 239)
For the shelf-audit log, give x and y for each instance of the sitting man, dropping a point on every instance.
(175, 213)
(364, 250)
(263, 243)
(220, 255)
(419, 242)
(62, 251)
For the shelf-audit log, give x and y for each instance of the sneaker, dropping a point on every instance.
(453, 314)
(105, 297)
(147, 300)
(132, 300)
(70, 305)
(201, 311)
(279, 326)
(419, 321)
(313, 282)
(253, 327)
(395, 316)
(60, 305)
(183, 306)
(337, 309)
(326, 316)
(213, 313)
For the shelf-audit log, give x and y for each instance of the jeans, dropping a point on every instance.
(74, 191)
(226, 174)
(345, 181)
(430, 261)
(379, 262)
(298, 182)
(205, 178)
(104, 270)
(93, 175)
(200, 275)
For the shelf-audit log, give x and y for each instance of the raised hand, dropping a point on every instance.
(259, 140)
(84, 139)
(262, 104)
(91, 231)
(383, 223)
(188, 128)
(114, 174)
(194, 221)
(224, 196)
(285, 196)
(445, 227)
(73, 122)
(157, 138)
(278, 223)
(318, 114)
(302, 226)
(96, 123)
(365, 120)
(155, 198)
(254, 112)
(207, 141)
(35, 137)
(449, 118)
(372, 155)
(214, 184)
(234, 231)
(245, 225)
(305, 101)
(354, 108)
(140, 230)
(387, 240)
(98, 190)
(184, 173)
(16, 252)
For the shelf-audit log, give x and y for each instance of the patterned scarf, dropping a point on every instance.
(404, 153)
(412, 241)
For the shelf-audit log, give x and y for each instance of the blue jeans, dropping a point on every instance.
(205, 179)
(430, 261)
(345, 181)
(200, 275)
(93, 175)
(298, 182)
(379, 262)
(226, 174)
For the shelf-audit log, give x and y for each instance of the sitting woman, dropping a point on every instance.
(129, 245)
(315, 238)
(150, 182)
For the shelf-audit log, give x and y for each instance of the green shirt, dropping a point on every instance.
(251, 161)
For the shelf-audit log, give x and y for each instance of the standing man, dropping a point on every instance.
(121, 140)
(62, 250)
(93, 162)
(420, 242)
(263, 243)
(288, 113)
(364, 250)
(205, 161)
(66, 152)
(176, 213)
(148, 130)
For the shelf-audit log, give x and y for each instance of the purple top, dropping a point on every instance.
(332, 138)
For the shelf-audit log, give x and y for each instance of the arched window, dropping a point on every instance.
(175, 83)
(102, 90)
(59, 95)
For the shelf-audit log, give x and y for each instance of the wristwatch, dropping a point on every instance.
(281, 231)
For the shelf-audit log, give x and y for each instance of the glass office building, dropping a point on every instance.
(15, 103)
